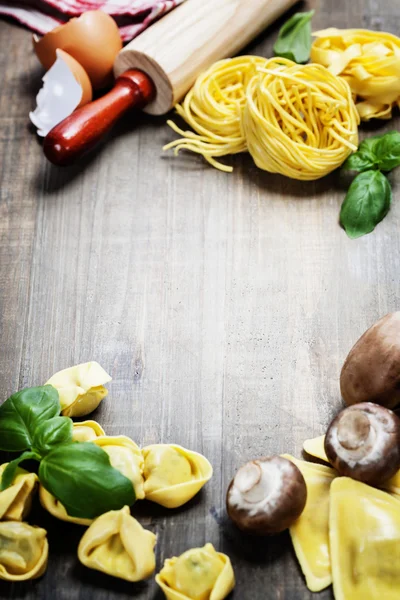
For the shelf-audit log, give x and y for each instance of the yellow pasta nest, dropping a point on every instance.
(369, 61)
(214, 109)
(297, 120)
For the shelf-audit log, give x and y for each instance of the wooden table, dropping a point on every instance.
(222, 306)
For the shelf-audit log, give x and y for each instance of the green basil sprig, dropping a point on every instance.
(79, 475)
(369, 197)
(52, 433)
(378, 152)
(22, 413)
(367, 202)
(294, 39)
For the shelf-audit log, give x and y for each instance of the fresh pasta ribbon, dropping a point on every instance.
(297, 120)
(370, 63)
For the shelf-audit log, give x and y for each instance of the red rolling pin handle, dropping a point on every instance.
(82, 130)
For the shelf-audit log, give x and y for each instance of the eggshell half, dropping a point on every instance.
(80, 75)
(93, 40)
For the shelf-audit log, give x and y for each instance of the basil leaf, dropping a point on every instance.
(53, 432)
(22, 412)
(367, 146)
(81, 477)
(359, 161)
(387, 151)
(9, 472)
(294, 39)
(367, 202)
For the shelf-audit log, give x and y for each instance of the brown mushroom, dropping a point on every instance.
(266, 496)
(371, 372)
(363, 442)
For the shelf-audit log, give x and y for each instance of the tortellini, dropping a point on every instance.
(198, 574)
(23, 551)
(55, 508)
(173, 475)
(125, 456)
(16, 500)
(86, 431)
(81, 388)
(370, 63)
(364, 529)
(119, 546)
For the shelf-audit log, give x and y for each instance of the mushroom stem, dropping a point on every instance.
(363, 442)
(353, 430)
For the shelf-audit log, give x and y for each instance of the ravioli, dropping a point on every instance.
(365, 541)
(23, 551)
(80, 388)
(16, 500)
(198, 574)
(173, 475)
(310, 533)
(118, 545)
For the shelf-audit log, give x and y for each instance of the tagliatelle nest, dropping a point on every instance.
(214, 108)
(297, 120)
(369, 61)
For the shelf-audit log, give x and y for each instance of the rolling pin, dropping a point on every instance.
(155, 70)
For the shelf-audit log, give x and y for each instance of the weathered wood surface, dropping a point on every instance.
(222, 305)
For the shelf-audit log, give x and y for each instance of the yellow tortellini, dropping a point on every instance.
(23, 551)
(55, 508)
(86, 431)
(119, 546)
(16, 500)
(198, 574)
(364, 530)
(81, 388)
(310, 533)
(125, 456)
(370, 63)
(173, 475)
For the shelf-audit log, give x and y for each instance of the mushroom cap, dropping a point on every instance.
(363, 442)
(266, 496)
(371, 371)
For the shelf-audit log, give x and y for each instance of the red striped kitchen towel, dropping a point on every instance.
(132, 16)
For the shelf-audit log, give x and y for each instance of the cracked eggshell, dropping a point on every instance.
(66, 86)
(80, 75)
(93, 40)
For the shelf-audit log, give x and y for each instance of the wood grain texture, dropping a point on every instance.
(222, 305)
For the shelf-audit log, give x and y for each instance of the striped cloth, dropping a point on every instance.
(132, 16)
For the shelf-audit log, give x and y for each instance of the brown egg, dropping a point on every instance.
(93, 40)
(80, 75)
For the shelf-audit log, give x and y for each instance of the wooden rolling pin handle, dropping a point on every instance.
(81, 131)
